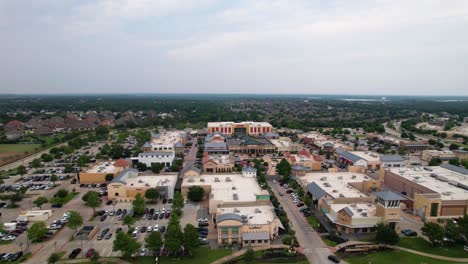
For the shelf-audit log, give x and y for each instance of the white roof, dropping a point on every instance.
(102, 167)
(437, 179)
(359, 210)
(336, 184)
(225, 187)
(367, 155)
(152, 181)
(256, 215)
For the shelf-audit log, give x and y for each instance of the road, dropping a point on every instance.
(191, 157)
(315, 249)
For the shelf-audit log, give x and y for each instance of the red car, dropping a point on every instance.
(90, 252)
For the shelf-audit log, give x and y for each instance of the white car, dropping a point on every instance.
(203, 220)
(142, 252)
(10, 237)
(150, 229)
(54, 226)
(156, 228)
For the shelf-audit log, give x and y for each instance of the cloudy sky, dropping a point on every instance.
(415, 47)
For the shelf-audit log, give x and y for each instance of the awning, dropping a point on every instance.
(255, 236)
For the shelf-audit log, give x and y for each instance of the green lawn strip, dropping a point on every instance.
(392, 257)
(65, 200)
(19, 148)
(420, 244)
(61, 254)
(313, 221)
(329, 242)
(202, 255)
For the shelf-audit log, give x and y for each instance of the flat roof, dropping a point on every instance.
(282, 142)
(226, 187)
(255, 215)
(336, 184)
(440, 180)
(103, 167)
(152, 181)
(224, 159)
(358, 210)
(367, 155)
(168, 138)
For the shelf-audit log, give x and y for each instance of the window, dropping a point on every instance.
(434, 209)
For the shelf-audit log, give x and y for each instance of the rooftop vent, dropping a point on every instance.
(191, 180)
(323, 178)
(340, 177)
(353, 177)
(228, 179)
(233, 187)
(257, 210)
(235, 196)
(364, 214)
(202, 180)
(216, 179)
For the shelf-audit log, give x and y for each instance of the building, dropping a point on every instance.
(444, 155)
(242, 128)
(228, 190)
(369, 160)
(436, 192)
(305, 159)
(247, 226)
(166, 159)
(166, 141)
(389, 161)
(251, 146)
(97, 173)
(414, 147)
(128, 184)
(284, 144)
(35, 216)
(461, 154)
(218, 163)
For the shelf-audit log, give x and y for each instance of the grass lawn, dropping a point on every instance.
(18, 148)
(420, 244)
(313, 221)
(65, 200)
(202, 255)
(330, 243)
(391, 257)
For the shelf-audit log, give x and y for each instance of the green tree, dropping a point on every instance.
(128, 220)
(95, 257)
(62, 193)
(68, 168)
(47, 157)
(174, 238)
(152, 194)
(37, 231)
(191, 241)
(40, 201)
(83, 160)
(36, 163)
(109, 177)
(452, 230)
(53, 258)
(138, 205)
(434, 232)
(156, 167)
(124, 243)
(141, 166)
(93, 201)
(455, 161)
(196, 193)
(178, 201)
(249, 255)
(75, 220)
(53, 178)
(154, 242)
(436, 161)
(284, 169)
(454, 146)
(386, 235)
(21, 170)
(463, 226)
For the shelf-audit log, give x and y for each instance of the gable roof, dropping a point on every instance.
(249, 169)
(315, 190)
(124, 175)
(391, 158)
(350, 156)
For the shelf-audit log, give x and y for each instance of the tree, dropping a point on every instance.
(128, 220)
(434, 232)
(53, 258)
(36, 163)
(156, 167)
(249, 255)
(196, 193)
(284, 169)
(454, 146)
(463, 226)
(452, 230)
(21, 170)
(68, 168)
(141, 166)
(455, 161)
(124, 243)
(40, 201)
(138, 205)
(62, 193)
(174, 238)
(109, 177)
(47, 157)
(53, 178)
(83, 160)
(75, 220)
(436, 161)
(93, 200)
(154, 242)
(152, 194)
(191, 241)
(386, 235)
(178, 201)
(37, 231)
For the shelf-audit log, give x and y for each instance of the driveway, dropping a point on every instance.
(314, 248)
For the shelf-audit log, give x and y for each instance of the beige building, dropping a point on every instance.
(284, 144)
(247, 226)
(427, 155)
(97, 172)
(228, 190)
(305, 159)
(242, 128)
(35, 216)
(216, 163)
(128, 184)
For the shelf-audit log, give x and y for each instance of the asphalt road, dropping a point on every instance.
(315, 249)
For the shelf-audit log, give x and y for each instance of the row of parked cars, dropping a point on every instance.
(153, 214)
(148, 229)
(59, 223)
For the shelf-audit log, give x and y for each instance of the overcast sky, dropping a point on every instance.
(207, 46)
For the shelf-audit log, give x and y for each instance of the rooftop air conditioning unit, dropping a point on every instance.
(233, 187)
(364, 214)
(202, 180)
(341, 195)
(323, 178)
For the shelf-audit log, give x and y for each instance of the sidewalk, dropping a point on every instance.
(112, 260)
(241, 252)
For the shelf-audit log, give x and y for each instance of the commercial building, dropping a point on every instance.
(97, 173)
(155, 157)
(227, 190)
(35, 216)
(369, 160)
(247, 226)
(414, 146)
(389, 161)
(304, 159)
(242, 128)
(166, 141)
(284, 144)
(444, 155)
(250, 146)
(129, 183)
(436, 192)
(217, 163)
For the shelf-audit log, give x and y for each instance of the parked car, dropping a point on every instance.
(334, 258)
(90, 252)
(162, 229)
(57, 205)
(103, 218)
(109, 202)
(409, 232)
(108, 236)
(74, 253)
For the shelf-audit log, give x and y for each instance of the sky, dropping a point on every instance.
(394, 47)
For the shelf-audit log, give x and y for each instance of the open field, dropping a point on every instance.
(11, 152)
(420, 244)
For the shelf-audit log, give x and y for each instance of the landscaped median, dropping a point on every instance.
(391, 257)
(201, 255)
